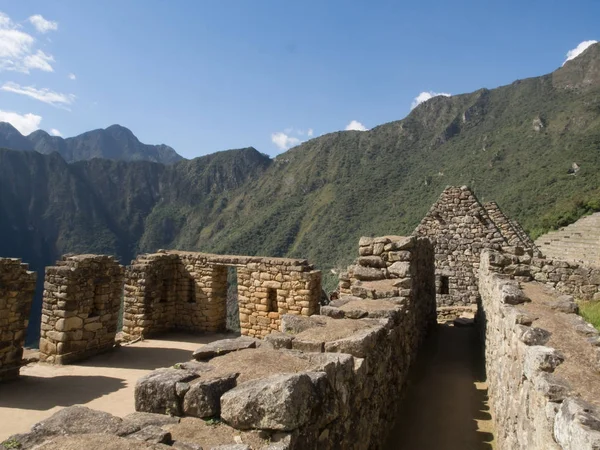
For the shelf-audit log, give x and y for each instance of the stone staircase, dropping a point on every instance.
(579, 241)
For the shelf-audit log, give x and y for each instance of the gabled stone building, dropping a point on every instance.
(460, 228)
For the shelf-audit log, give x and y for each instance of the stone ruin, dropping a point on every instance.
(325, 381)
(80, 308)
(162, 292)
(188, 290)
(460, 228)
(17, 286)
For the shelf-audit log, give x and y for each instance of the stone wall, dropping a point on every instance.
(460, 228)
(503, 223)
(570, 278)
(80, 308)
(533, 408)
(349, 368)
(187, 291)
(567, 277)
(17, 287)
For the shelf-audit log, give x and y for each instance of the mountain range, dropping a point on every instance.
(115, 142)
(533, 146)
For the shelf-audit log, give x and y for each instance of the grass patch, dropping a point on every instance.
(590, 311)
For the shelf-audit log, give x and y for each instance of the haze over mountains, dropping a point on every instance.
(515, 144)
(115, 142)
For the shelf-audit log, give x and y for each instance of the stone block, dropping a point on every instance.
(279, 402)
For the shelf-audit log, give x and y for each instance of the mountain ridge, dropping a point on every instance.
(114, 142)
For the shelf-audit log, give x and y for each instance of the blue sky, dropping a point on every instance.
(204, 76)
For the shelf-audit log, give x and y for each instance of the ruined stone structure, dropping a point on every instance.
(326, 381)
(17, 287)
(579, 242)
(536, 404)
(80, 309)
(187, 291)
(461, 227)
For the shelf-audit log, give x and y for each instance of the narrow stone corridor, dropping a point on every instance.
(445, 406)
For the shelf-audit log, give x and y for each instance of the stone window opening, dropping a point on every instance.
(272, 305)
(164, 291)
(191, 294)
(444, 285)
(96, 304)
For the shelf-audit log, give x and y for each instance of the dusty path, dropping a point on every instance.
(105, 382)
(445, 407)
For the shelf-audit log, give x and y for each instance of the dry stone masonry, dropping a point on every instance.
(461, 227)
(187, 291)
(579, 242)
(80, 309)
(534, 406)
(17, 287)
(325, 381)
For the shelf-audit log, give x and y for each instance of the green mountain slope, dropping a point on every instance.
(516, 144)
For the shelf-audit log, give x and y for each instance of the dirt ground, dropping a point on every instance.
(445, 405)
(580, 367)
(105, 382)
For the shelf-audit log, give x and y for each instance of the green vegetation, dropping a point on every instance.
(11, 444)
(515, 144)
(213, 421)
(590, 311)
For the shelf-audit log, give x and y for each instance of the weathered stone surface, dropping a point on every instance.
(279, 402)
(17, 288)
(74, 420)
(153, 434)
(359, 344)
(231, 447)
(367, 273)
(184, 445)
(400, 269)
(157, 391)
(280, 340)
(576, 425)
(96, 441)
(534, 336)
(371, 261)
(204, 396)
(144, 419)
(223, 347)
(512, 295)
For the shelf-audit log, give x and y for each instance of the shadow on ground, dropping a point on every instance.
(154, 353)
(445, 396)
(41, 393)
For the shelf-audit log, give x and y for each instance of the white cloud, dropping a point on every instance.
(284, 141)
(17, 49)
(43, 25)
(574, 53)
(55, 132)
(424, 96)
(356, 126)
(290, 137)
(39, 60)
(43, 95)
(72, 76)
(26, 123)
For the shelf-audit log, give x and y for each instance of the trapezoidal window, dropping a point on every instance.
(444, 285)
(165, 290)
(97, 303)
(272, 300)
